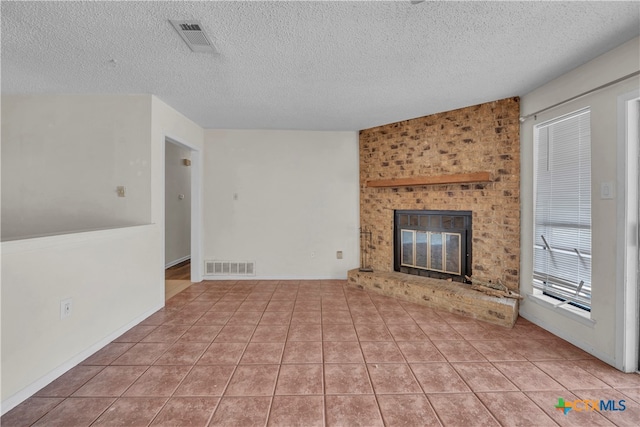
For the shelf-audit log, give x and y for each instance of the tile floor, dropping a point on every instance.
(315, 353)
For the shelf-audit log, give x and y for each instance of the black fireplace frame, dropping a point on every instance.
(444, 226)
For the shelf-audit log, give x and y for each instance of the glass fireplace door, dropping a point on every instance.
(436, 251)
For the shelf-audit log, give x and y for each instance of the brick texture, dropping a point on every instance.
(439, 294)
(483, 137)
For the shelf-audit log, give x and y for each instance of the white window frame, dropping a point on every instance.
(573, 295)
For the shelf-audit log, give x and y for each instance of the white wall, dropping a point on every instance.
(63, 157)
(287, 200)
(115, 277)
(177, 223)
(602, 336)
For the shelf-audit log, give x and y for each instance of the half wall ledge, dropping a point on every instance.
(453, 297)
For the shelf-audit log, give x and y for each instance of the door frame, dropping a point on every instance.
(628, 228)
(196, 202)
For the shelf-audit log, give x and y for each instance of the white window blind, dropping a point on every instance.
(562, 244)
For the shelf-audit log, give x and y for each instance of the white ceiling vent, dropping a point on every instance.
(194, 36)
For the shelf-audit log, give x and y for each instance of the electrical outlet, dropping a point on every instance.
(339, 254)
(66, 305)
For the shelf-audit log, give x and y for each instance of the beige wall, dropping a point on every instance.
(115, 277)
(287, 200)
(112, 281)
(63, 157)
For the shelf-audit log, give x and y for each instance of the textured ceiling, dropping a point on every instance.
(307, 65)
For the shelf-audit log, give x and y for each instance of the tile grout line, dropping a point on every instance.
(375, 396)
(475, 394)
(275, 385)
(325, 412)
(471, 391)
(326, 293)
(171, 396)
(413, 373)
(122, 394)
(235, 369)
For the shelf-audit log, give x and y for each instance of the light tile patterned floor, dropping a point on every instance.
(317, 353)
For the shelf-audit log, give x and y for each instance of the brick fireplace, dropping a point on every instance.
(462, 160)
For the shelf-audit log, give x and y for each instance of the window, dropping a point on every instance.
(562, 243)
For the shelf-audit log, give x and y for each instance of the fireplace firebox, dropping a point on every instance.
(433, 243)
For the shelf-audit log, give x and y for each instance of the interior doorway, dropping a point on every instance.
(180, 271)
(181, 219)
(177, 204)
(177, 278)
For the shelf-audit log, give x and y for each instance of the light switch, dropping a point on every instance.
(606, 190)
(121, 190)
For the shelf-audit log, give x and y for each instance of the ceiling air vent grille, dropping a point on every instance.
(194, 36)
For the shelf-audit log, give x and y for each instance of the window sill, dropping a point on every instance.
(574, 313)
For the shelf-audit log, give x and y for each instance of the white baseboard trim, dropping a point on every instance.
(19, 397)
(329, 277)
(176, 262)
(569, 338)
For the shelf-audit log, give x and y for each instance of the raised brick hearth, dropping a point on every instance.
(453, 297)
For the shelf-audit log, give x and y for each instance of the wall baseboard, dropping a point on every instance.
(177, 261)
(569, 338)
(19, 397)
(329, 277)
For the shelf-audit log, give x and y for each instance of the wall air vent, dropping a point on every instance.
(194, 36)
(229, 268)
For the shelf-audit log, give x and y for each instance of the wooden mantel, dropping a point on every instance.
(460, 178)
